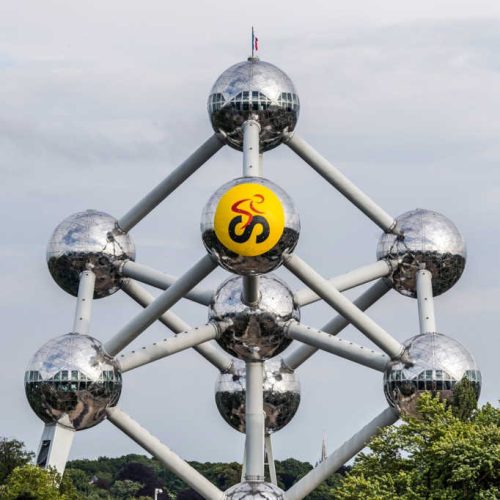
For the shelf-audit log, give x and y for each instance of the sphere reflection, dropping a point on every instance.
(254, 332)
(441, 364)
(281, 395)
(71, 380)
(88, 240)
(254, 90)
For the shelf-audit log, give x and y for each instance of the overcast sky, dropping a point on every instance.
(101, 100)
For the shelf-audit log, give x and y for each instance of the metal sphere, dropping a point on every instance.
(281, 395)
(254, 491)
(71, 380)
(254, 332)
(430, 241)
(88, 240)
(249, 224)
(254, 90)
(440, 364)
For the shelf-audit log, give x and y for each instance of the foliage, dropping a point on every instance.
(12, 455)
(32, 482)
(438, 456)
(125, 489)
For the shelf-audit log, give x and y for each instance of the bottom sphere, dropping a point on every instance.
(258, 491)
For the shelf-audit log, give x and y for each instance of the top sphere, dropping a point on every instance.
(430, 241)
(254, 90)
(88, 240)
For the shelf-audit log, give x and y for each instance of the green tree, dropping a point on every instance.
(31, 482)
(125, 490)
(438, 456)
(464, 402)
(12, 455)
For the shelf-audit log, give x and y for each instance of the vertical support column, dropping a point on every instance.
(425, 299)
(81, 323)
(252, 167)
(55, 446)
(251, 156)
(254, 422)
(270, 460)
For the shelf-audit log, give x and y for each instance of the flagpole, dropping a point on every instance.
(253, 43)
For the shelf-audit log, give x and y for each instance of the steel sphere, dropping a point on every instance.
(88, 240)
(249, 224)
(254, 491)
(254, 90)
(281, 395)
(430, 241)
(254, 332)
(71, 380)
(440, 364)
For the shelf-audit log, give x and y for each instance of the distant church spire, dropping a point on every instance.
(323, 450)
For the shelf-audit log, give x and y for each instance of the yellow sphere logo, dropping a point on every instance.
(249, 219)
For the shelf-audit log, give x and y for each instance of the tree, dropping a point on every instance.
(29, 482)
(140, 473)
(12, 455)
(438, 456)
(125, 490)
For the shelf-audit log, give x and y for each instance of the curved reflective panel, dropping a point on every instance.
(254, 90)
(71, 380)
(440, 365)
(280, 219)
(281, 395)
(92, 240)
(430, 241)
(254, 332)
(254, 490)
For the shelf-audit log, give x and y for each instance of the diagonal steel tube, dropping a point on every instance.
(161, 452)
(344, 306)
(352, 279)
(170, 183)
(341, 455)
(160, 305)
(340, 182)
(167, 347)
(343, 348)
(208, 350)
(150, 276)
(302, 353)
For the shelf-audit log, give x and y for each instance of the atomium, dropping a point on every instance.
(254, 491)
(248, 225)
(71, 380)
(430, 241)
(281, 395)
(254, 332)
(88, 240)
(254, 90)
(440, 365)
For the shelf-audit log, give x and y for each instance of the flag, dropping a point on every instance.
(255, 42)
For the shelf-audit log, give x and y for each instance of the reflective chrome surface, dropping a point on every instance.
(430, 241)
(281, 395)
(245, 265)
(71, 380)
(440, 363)
(257, 491)
(92, 239)
(254, 332)
(254, 90)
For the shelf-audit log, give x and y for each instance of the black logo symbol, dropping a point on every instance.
(256, 220)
